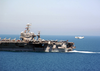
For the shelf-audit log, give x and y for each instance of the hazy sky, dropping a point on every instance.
(51, 17)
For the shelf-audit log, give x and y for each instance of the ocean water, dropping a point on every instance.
(86, 57)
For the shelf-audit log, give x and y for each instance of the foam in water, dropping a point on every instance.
(73, 51)
(83, 51)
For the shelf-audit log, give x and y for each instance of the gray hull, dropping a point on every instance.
(34, 46)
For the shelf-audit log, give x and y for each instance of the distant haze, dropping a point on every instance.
(51, 17)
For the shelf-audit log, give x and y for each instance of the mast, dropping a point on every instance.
(27, 28)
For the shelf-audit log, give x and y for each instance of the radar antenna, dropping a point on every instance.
(38, 34)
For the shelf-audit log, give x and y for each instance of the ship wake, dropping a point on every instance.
(83, 51)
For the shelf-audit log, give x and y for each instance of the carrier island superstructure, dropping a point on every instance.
(31, 42)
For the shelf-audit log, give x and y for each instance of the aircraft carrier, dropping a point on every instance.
(31, 42)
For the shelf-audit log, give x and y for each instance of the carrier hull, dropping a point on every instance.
(33, 46)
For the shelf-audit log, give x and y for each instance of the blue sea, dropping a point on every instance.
(86, 56)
